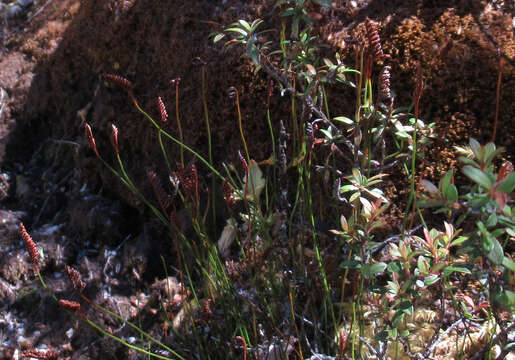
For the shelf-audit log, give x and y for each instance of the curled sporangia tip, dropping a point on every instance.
(75, 279)
(162, 110)
(91, 139)
(374, 39)
(118, 80)
(31, 247)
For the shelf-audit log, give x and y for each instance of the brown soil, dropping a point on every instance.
(51, 66)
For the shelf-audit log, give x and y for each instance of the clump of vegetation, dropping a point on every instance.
(275, 284)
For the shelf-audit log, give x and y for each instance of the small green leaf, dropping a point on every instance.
(475, 145)
(350, 264)
(344, 120)
(341, 78)
(431, 279)
(337, 232)
(437, 267)
(496, 255)
(508, 222)
(373, 269)
(237, 30)
(482, 228)
(218, 37)
(354, 196)
(507, 185)
(508, 263)
(256, 182)
(488, 243)
(327, 133)
(459, 240)
(422, 264)
(460, 269)
(446, 181)
(375, 225)
(344, 223)
(347, 188)
(491, 153)
(245, 24)
(479, 200)
(497, 233)
(508, 211)
(377, 194)
(451, 193)
(367, 206)
(394, 267)
(429, 186)
(255, 25)
(506, 298)
(377, 289)
(481, 154)
(478, 176)
(406, 307)
(328, 62)
(397, 319)
(393, 287)
(491, 221)
(349, 70)
(468, 161)
(405, 333)
(373, 182)
(253, 52)
(403, 135)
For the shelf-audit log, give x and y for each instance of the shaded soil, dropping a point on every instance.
(52, 57)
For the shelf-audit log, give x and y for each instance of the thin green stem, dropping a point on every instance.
(240, 124)
(497, 97)
(163, 150)
(359, 88)
(353, 331)
(326, 102)
(206, 113)
(46, 287)
(272, 137)
(412, 198)
(209, 142)
(292, 312)
(177, 117)
(344, 281)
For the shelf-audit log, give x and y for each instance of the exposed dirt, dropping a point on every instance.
(53, 54)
